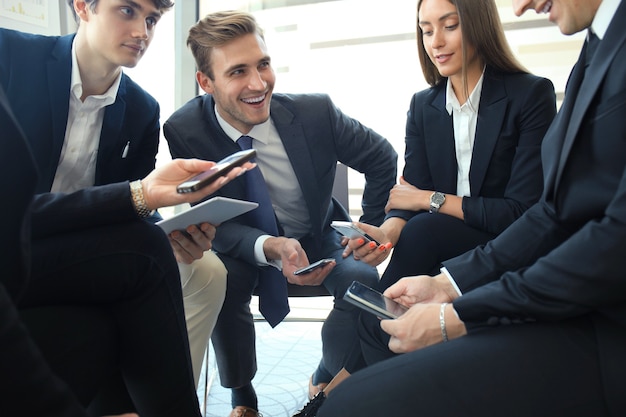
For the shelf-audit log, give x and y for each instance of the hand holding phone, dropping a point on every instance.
(313, 266)
(350, 230)
(374, 302)
(221, 168)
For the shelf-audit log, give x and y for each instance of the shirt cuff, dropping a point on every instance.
(259, 254)
(447, 273)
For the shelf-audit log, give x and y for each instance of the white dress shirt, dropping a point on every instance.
(464, 120)
(77, 163)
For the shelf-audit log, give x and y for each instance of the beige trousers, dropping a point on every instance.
(204, 288)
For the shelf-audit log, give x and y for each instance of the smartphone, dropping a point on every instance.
(221, 168)
(313, 266)
(374, 302)
(349, 229)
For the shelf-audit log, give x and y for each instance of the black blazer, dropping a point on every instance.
(24, 371)
(505, 176)
(565, 257)
(316, 136)
(37, 84)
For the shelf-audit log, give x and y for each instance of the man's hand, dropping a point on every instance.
(293, 257)
(420, 326)
(159, 187)
(192, 244)
(422, 289)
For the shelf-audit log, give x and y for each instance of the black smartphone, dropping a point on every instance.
(374, 302)
(349, 229)
(313, 266)
(221, 168)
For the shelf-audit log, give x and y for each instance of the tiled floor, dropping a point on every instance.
(287, 356)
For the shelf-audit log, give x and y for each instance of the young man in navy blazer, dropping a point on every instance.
(298, 139)
(89, 124)
(102, 283)
(538, 327)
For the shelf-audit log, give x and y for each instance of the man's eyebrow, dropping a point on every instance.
(444, 17)
(135, 5)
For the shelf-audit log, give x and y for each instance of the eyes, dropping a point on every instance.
(427, 30)
(131, 13)
(263, 65)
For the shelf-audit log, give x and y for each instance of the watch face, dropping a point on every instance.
(438, 199)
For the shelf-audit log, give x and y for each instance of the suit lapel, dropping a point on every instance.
(294, 140)
(59, 68)
(607, 49)
(439, 142)
(111, 141)
(492, 111)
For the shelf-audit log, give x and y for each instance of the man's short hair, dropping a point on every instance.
(162, 5)
(218, 29)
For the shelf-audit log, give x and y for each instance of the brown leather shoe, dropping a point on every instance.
(315, 389)
(241, 411)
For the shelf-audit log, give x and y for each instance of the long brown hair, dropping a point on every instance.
(480, 27)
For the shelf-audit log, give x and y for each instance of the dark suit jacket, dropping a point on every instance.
(37, 84)
(316, 135)
(565, 257)
(505, 177)
(23, 371)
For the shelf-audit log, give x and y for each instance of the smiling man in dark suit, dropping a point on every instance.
(298, 139)
(539, 326)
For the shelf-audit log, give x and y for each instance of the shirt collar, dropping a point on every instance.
(76, 83)
(260, 132)
(452, 103)
(603, 17)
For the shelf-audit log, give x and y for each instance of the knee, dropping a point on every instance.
(204, 278)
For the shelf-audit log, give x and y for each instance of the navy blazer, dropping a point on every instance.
(565, 257)
(35, 72)
(24, 369)
(505, 175)
(316, 136)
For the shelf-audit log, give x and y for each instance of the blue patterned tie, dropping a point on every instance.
(272, 287)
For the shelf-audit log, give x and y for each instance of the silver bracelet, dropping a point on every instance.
(442, 322)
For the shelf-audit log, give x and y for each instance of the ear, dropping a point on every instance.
(81, 8)
(204, 82)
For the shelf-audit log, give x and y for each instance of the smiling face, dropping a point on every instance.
(243, 81)
(438, 20)
(118, 32)
(571, 16)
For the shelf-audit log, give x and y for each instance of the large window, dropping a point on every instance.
(360, 52)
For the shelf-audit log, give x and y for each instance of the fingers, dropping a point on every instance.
(190, 245)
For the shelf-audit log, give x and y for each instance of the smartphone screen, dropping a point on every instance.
(313, 266)
(374, 302)
(350, 230)
(221, 168)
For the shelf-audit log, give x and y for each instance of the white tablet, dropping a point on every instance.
(215, 210)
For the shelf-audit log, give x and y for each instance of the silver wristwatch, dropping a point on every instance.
(436, 201)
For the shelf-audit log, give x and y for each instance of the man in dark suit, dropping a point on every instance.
(90, 252)
(89, 124)
(539, 328)
(298, 139)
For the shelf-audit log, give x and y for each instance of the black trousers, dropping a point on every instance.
(124, 282)
(539, 370)
(426, 241)
(234, 336)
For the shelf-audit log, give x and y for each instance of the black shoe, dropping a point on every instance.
(310, 409)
